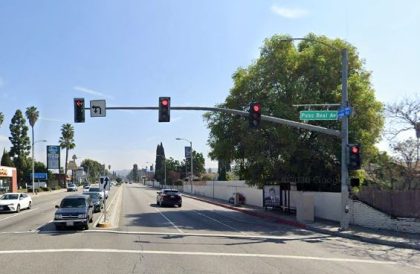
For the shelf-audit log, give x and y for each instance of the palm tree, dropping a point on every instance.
(67, 141)
(32, 114)
(1, 118)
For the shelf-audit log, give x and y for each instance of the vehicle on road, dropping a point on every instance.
(169, 197)
(97, 200)
(97, 189)
(86, 188)
(71, 187)
(14, 202)
(74, 211)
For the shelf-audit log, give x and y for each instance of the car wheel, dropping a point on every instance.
(18, 209)
(87, 225)
(157, 202)
(180, 205)
(29, 205)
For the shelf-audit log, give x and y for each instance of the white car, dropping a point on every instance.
(15, 202)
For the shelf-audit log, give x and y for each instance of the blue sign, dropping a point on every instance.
(187, 152)
(40, 176)
(342, 112)
(53, 157)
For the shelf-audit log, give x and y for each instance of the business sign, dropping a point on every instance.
(53, 157)
(6, 171)
(40, 176)
(187, 152)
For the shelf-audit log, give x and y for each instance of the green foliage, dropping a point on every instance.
(20, 144)
(66, 141)
(1, 118)
(160, 164)
(6, 160)
(92, 168)
(285, 75)
(32, 115)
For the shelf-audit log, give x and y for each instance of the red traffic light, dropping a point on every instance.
(354, 150)
(79, 103)
(256, 107)
(165, 102)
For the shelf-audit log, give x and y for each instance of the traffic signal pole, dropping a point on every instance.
(345, 207)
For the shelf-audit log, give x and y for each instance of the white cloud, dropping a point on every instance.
(51, 120)
(3, 138)
(92, 92)
(289, 13)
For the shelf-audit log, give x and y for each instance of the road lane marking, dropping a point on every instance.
(19, 214)
(210, 254)
(174, 225)
(219, 222)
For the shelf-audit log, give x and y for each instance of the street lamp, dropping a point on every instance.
(191, 157)
(33, 161)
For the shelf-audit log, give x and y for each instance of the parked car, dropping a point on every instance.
(86, 188)
(97, 189)
(74, 211)
(97, 200)
(169, 197)
(71, 187)
(241, 198)
(14, 202)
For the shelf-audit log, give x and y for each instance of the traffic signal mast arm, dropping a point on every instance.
(276, 120)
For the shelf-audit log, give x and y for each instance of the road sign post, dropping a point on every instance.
(97, 108)
(319, 115)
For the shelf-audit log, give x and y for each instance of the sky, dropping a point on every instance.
(130, 53)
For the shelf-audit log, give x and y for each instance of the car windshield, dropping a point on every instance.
(171, 192)
(94, 195)
(73, 203)
(9, 197)
(94, 189)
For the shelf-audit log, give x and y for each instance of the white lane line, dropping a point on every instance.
(19, 214)
(183, 253)
(219, 222)
(174, 225)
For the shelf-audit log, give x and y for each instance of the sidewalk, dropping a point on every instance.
(382, 237)
(42, 193)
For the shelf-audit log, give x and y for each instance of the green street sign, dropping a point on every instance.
(318, 115)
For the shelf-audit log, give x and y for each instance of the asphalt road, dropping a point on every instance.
(197, 238)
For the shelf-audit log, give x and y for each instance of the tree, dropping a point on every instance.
(92, 168)
(67, 141)
(404, 115)
(20, 145)
(284, 75)
(160, 163)
(5, 159)
(1, 118)
(32, 115)
(406, 153)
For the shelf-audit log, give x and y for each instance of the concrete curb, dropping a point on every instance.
(296, 224)
(111, 212)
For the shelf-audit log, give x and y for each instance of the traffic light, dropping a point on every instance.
(254, 115)
(79, 110)
(164, 109)
(354, 157)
